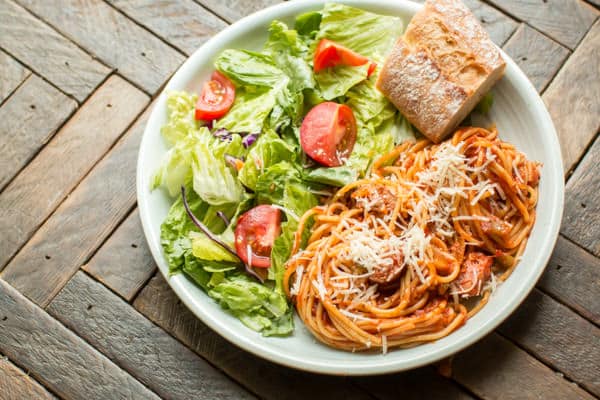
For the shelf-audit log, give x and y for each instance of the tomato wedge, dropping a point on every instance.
(329, 54)
(255, 234)
(328, 133)
(216, 97)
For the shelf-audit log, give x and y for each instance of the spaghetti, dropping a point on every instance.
(408, 254)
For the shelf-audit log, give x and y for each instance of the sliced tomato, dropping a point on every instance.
(328, 133)
(329, 54)
(216, 97)
(255, 234)
(475, 270)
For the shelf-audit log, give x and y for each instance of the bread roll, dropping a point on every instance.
(441, 68)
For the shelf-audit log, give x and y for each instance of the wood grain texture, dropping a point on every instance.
(124, 263)
(573, 277)
(573, 99)
(559, 337)
(565, 21)
(498, 25)
(158, 302)
(418, 384)
(119, 42)
(183, 23)
(48, 53)
(494, 368)
(51, 175)
(581, 218)
(16, 385)
(58, 358)
(29, 119)
(536, 54)
(13, 74)
(140, 347)
(80, 224)
(232, 10)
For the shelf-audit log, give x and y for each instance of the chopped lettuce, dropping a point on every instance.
(337, 176)
(249, 111)
(307, 24)
(214, 181)
(268, 150)
(249, 68)
(369, 34)
(335, 82)
(180, 116)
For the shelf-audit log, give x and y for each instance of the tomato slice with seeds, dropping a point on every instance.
(216, 98)
(329, 54)
(328, 133)
(255, 234)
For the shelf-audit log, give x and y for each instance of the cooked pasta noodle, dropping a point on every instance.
(392, 258)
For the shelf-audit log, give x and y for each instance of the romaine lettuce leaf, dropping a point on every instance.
(250, 110)
(268, 150)
(214, 181)
(336, 176)
(249, 68)
(371, 35)
(307, 24)
(335, 82)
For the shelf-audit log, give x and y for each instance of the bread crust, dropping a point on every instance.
(441, 68)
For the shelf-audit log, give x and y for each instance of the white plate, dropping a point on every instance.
(521, 119)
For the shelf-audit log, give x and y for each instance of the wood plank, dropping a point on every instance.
(140, 347)
(422, 383)
(57, 357)
(498, 25)
(187, 25)
(80, 224)
(536, 54)
(573, 277)
(581, 219)
(573, 99)
(13, 74)
(124, 263)
(558, 337)
(50, 176)
(494, 368)
(232, 10)
(565, 21)
(158, 302)
(101, 30)
(48, 53)
(29, 119)
(16, 385)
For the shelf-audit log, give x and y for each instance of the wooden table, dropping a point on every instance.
(84, 313)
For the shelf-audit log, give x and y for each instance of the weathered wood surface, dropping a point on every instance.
(496, 369)
(158, 302)
(182, 23)
(63, 207)
(57, 357)
(559, 337)
(13, 74)
(81, 223)
(572, 278)
(29, 119)
(48, 53)
(422, 383)
(147, 352)
(573, 99)
(537, 55)
(232, 10)
(565, 21)
(581, 220)
(16, 385)
(119, 42)
(30, 198)
(124, 263)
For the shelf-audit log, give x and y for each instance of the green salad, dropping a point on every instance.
(223, 163)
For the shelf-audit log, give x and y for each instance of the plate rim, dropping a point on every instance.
(360, 368)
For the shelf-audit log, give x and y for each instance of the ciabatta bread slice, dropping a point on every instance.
(441, 68)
